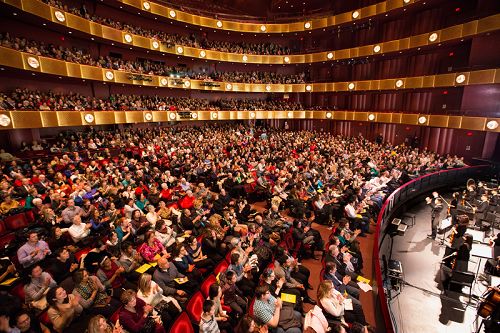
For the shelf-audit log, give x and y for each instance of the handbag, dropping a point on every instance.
(149, 325)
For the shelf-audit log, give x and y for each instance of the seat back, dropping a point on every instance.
(228, 257)
(194, 308)
(16, 222)
(205, 286)
(30, 216)
(289, 241)
(3, 228)
(182, 324)
(19, 292)
(463, 278)
(82, 253)
(250, 307)
(222, 267)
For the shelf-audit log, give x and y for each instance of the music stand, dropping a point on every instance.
(481, 251)
(443, 225)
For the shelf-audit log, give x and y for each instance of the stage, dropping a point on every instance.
(421, 305)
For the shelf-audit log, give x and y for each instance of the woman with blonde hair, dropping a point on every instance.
(152, 294)
(333, 304)
(165, 307)
(99, 324)
(331, 301)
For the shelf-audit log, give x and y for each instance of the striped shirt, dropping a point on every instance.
(209, 326)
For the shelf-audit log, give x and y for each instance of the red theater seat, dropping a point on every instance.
(6, 239)
(195, 307)
(81, 253)
(18, 291)
(182, 324)
(3, 228)
(205, 286)
(16, 222)
(222, 267)
(30, 216)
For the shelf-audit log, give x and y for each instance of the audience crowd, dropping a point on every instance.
(144, 66)
(24, 99)
(170, 40)
(129, 224)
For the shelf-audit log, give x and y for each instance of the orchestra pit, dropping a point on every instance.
(264, 166)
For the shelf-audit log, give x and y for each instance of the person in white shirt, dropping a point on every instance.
(152, 294)
(79, 230)
(152, 216)
(36, 146)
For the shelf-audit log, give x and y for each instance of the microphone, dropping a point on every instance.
(449, 256)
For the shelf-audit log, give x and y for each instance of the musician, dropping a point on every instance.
(458, 260)
(436, 208)
(470, 192)
(452, 208)
(481, 189)
(492, 310)
(481, 209)
(457, 255)
(463, 254)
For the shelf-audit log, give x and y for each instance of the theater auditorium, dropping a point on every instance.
(236, 166)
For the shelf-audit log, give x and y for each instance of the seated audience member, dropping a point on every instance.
(282, 269)
(37, 288)
(233, 297)
(164, 233)
(124, 230)
(112, 277)
(212, 246)
(113, 244)
(171, 281)
(92, 294)
(215, 295)
(130, 260)
(195, 250)
(33, 250)
(341, 283)
(185, 264)
(208, 321)
(27, 323)
(152, 249)
(63, 308)
(139, 222)
(152, 294)
(99, 324)
(248, 325)
(8, 205)
(93, 259)
(79, 230)
(333, 304)
(244, 278)
(63, 265)
(270, 311)
(315, 321)
(136, 316)
(70, 212)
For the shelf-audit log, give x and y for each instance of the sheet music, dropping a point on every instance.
(364, 286)
(348, 304)
(445, 223)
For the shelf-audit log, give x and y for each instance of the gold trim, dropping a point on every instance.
(296, 26)
(17, 59)
(40, 119)
(466, 30)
